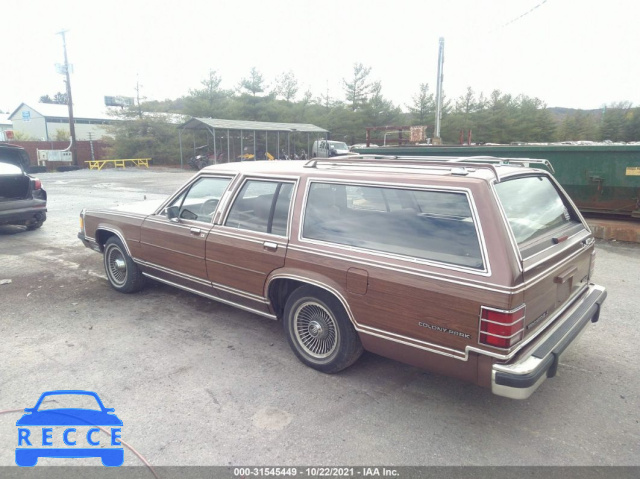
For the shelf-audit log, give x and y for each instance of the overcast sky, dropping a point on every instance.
(571, 53)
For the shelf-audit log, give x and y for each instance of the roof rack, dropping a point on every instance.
(508, 161)
(487, 162)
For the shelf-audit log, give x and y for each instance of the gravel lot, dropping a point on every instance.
(200, 383)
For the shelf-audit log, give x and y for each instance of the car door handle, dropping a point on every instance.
(268, 245)
(195, 231)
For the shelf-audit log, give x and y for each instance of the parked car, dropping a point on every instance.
(357, 146)
(328, 148)
(477, 270)
(23, 201)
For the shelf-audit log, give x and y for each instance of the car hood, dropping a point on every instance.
(69, 417)
(14, 155)
(145, 207)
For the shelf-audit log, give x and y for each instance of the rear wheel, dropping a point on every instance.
(123, 274)
(34, 226)
(319, 331)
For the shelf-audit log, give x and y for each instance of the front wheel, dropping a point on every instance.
(123, 274)
(319, 331)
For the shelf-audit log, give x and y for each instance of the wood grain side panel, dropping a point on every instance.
(126, 227)
(398, 302)
(174, 246)
(242, 263)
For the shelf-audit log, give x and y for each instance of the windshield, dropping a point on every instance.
(534, 207)
(338, 145)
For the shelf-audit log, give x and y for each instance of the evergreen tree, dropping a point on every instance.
(423, 108)
(357, 89)
(286, 86)
(254, 84)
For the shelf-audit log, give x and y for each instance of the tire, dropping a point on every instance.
(319, 331)
(123, 274)
(34, 226)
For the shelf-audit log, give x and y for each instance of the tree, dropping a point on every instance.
(22, 136)
(378, 111)
(632, 128)
(424, 106)
(357, 89)
(208, 101)
(59, 99)
(304, 104)
(148, 137)
(286, 86)
(326, 100)
(614, 121)
(211, 86)
(254, 84)
(466, 103)
(62, 135)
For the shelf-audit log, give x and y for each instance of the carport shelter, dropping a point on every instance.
(222, 136)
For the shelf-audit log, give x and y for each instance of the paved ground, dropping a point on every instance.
(199, 383)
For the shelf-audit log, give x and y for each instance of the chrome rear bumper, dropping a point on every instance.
(518, 380)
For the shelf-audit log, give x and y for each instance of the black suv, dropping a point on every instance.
(22, 199)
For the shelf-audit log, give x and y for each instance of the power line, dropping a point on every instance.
(519, 17)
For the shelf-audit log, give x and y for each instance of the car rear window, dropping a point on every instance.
(430, 225)
(7, 169)
(14, 156)
(534, 208)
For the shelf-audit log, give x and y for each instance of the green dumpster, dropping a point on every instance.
(602, 179)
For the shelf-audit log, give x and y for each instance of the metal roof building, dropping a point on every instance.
(45, 119)
(224, 136)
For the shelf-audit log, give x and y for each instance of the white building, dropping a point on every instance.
(5, 124)
(45, 120)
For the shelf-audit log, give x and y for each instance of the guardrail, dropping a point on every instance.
(99, 164)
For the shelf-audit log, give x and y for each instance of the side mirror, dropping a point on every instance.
(173, 212)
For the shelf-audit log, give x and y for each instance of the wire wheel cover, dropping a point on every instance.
(116, 265)
(316, 330)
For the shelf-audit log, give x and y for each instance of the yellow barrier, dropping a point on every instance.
(99, 164)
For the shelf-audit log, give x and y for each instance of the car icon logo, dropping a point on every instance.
(44, 430)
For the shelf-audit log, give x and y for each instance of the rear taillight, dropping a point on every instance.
(592, 264)
(37, 184)
(502, 329)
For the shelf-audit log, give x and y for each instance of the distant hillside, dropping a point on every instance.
(560, 113)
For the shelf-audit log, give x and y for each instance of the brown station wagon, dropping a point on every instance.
(475, 268)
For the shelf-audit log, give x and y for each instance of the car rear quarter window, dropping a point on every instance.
(423, 224)
(536, 210)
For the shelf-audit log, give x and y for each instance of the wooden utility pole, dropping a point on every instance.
(72, 124)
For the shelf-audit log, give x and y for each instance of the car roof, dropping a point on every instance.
(380, 169)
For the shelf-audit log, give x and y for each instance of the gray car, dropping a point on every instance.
(23, 201)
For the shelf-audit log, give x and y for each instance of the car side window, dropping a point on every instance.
(431, 225)
(200, 201)
(261, 206)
